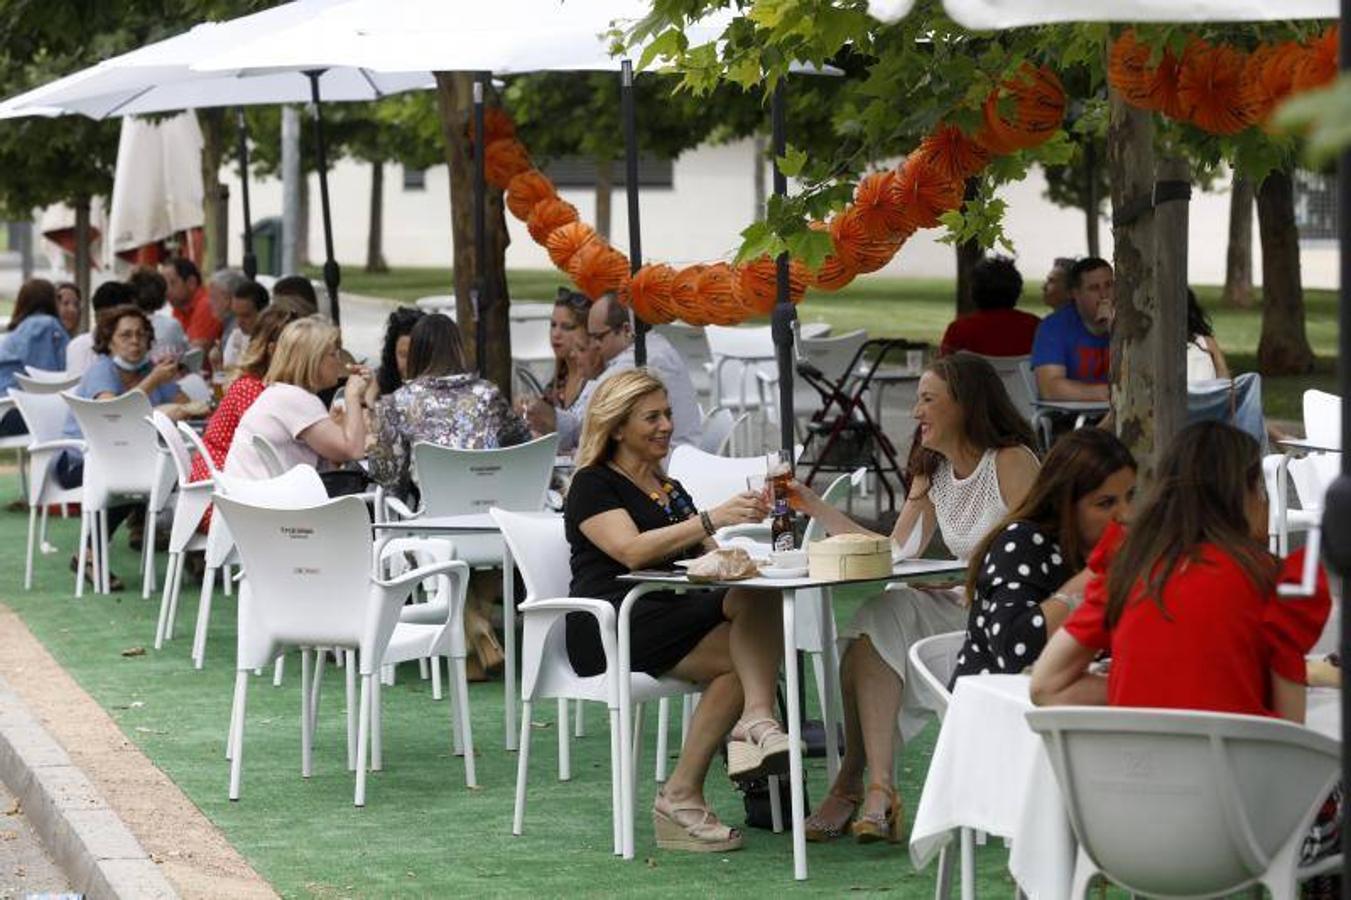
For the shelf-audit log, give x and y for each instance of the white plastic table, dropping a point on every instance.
(480, 523)
(990, 772)
(789, 588)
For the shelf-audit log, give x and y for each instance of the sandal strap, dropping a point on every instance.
(708, 827)
(747, 728)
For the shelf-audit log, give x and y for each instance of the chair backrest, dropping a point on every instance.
(688, 340)
(530, 339)
(834, 494)
(308, 573)
(540, 549)
(269, 455)
(711, 479)
(191, 361)
(717, 429)
(932, 662)
(50, 376)
(1021, 387)
(1323, 418)
(122, 444)
(43, 384)
(299, 487)
(43, 413)
(194, 387)
(1182, 803)
(173, 445)
(194, 440)
(458, 482)
(832, 355)
(527, 384)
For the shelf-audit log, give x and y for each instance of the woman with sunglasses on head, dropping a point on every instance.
(568, 339)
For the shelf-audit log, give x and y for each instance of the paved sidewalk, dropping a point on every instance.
(25, 866)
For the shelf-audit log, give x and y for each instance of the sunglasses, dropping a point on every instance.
(572, 298)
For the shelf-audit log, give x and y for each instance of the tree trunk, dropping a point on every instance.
(1284, 346)
(303, 222)
(83, 259)
(291, 180)
(1130, 161)
(454, 100)
(968, 254)
(1168, 337)
(1091, 198)
(215, 208)
(605, 183)
(375, 235)
(1238, 260)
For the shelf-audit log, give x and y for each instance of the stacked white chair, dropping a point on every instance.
(310, 583)
(40, 381)
(191, 502)
(1172, 803)
(120, 462)
(932, 663)
(542, 550)
(45, 417)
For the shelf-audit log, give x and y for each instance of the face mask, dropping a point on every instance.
(126, 366)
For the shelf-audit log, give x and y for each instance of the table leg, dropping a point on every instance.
(794, 735)
(830, 664)
(509, 640)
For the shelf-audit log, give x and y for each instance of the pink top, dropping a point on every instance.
(280, 414)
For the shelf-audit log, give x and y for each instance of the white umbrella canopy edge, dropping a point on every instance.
(990, 15)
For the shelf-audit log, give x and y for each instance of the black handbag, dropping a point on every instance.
(341, 482)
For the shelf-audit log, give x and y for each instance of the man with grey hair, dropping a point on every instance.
(611, 334)
(220, 289)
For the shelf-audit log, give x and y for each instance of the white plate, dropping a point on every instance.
(783, 571)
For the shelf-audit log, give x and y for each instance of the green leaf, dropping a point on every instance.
(792, 161)
(809, 247)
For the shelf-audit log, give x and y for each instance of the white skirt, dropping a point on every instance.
(896, 619)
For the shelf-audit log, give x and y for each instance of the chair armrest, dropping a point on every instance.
(413, 576)
(58, 444)
(601, 609)
(400, 509)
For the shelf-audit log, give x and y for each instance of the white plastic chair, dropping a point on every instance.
(120, 462)
(45, 417)
(435, 628)
(1312, 475)
(1171, 803)
(932, 662)
(437, 303)
(46, 382)
(711, 479)
(271, 459)
(830, 355)
(297, 488)
(310, 583)
(192, 500)
(1042, 423)
(690, 342)
(543, 555)
(194, 387)
(1020, 391)
(530, 347)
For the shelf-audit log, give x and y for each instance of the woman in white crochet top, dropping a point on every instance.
(970, 462)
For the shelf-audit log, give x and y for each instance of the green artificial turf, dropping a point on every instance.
(422, 832)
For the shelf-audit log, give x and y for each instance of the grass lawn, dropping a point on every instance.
(920, 309)
(422, 833)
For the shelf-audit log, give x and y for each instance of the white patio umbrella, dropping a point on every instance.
(157, 188)
(159, 78)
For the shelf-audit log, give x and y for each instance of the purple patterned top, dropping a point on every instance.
(461, 411)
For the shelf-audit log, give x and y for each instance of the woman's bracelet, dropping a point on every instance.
(1070, 600)
(707, 521)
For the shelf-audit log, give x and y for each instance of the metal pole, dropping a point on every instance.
(626, 105)
(481, 281)
(331, 273)
(784, 313)
(1336, 531)
(242, 127)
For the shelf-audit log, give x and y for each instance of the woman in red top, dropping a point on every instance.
(220, 428)
(1205, 629)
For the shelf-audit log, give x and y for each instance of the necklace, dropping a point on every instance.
(675, 503)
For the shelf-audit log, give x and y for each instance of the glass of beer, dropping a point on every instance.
(778, 473)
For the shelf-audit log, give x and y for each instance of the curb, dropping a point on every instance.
(84, 835)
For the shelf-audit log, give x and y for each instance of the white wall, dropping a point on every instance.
(700, 219)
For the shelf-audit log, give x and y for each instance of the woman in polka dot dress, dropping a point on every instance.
(1029, 573)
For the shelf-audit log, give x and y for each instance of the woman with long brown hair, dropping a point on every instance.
(34, 337)
(1188, 607)
(969, 464)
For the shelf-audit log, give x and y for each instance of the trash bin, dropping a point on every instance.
(267, 245)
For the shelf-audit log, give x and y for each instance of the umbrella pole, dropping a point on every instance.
(640, 328)
(785, 316)
(242, 128)
(331, 273)
(1336, 530)
(481, 280)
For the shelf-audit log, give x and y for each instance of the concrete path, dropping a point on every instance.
(25, 866)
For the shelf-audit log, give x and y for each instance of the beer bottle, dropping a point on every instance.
(781, 532)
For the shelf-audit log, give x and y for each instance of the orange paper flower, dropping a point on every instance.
(1038, 109)
(756, 285)
(1318, 66)
(527, 189)
(566, 240)
(833, 273)
(598, 269)
(855, 247)
(548, 215)
(875, 207)
(1141, 84)
(685, 296)
(1255, 96)
(649, 294)
(951, 152)
(715, 292)
(496, 124)
(923, 193)
(1210, 88)
(504, 160)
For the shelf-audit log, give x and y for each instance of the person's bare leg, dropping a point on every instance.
(709, 663)
(877, 709)
(756, 645)
(834, 812)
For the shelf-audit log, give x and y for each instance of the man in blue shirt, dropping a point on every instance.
(1071, 354)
